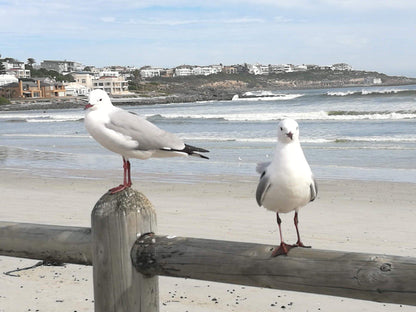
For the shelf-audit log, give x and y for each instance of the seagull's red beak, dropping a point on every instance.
(290, 135)
(88, 106)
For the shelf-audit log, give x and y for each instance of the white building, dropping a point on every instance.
(197, 71)
(207, 70)
(288, 68)
(150, 72)
(253, 69)
(258, 69)
(264, 69)
(112, 85)
(183, 71)
(62, 66)
(75, 89)
(109, 73)
(341, 66)
(84, 78)
(300, 68)
(217, 68)
(377, 81)
(6, 79)
(16, 69)
(278, 68)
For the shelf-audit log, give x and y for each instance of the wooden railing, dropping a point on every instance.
(127, 259)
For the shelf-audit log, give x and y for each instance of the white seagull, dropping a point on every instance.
(130, 135)
(286, 183)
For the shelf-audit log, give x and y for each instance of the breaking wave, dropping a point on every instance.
(264, 117)
(367, 92)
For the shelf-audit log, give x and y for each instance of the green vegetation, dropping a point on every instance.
(4, 101)
(2, 68)
(40, 73)
(224, 85)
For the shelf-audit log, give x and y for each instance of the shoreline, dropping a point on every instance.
(348, 215)
(136, 99)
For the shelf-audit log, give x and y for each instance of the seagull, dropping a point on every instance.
(286, 183)
(130, 135)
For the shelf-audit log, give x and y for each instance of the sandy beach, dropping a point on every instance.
(359, 216)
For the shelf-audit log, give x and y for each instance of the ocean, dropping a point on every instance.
(365, 133)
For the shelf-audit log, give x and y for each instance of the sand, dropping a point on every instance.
(359, 216)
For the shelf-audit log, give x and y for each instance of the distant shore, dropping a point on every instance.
(207, 93)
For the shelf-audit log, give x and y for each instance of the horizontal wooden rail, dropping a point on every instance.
(55, 243)
(378, 278)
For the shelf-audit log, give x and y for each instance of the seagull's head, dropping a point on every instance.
(98, 99)
(288, 131)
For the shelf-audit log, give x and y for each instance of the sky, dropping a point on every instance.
(374, 35)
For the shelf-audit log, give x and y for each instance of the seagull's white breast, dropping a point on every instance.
(290, 178)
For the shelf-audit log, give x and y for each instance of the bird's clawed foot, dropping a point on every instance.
(118, 188)
(283, 249)
(300, 244)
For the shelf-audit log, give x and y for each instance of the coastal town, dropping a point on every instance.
(63, 79)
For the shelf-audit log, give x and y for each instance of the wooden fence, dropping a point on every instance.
(127, 259)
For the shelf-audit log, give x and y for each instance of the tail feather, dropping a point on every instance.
(190, 150)
(194, 151)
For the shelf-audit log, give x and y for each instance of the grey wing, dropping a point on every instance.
(314, 189)
(262, 188)
(147, 135)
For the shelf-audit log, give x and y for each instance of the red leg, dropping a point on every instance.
(299, 242)
(126, 178)
(284, 248)
(128, 173)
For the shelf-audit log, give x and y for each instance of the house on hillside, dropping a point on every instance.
(258, 69)
(183, 70)
(206, 70)
(341, 66)
(84, 78)
(6, 79)
(16, 68)
(112, 85)
(61, 66)
(76, 89)
(31, 88)
(230, 70)
(150, 72)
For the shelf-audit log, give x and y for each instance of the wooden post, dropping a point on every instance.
(117, 220)
(380, 278)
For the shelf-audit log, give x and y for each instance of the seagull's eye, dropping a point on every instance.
(281, 128)
(100, 100)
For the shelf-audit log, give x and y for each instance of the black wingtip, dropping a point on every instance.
(190, 150)
(202, 156)
(195, 149)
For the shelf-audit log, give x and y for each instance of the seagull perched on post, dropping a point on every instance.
(286, 183)
(130, 135)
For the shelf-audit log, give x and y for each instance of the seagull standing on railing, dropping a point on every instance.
(130, 135)
(286, 183)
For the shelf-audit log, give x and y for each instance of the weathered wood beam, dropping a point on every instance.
(378, 278)
(54, 243)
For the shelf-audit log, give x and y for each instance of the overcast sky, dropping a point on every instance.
(375, 35)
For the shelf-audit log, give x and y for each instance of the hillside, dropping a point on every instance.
(220, 87)
(223, 86)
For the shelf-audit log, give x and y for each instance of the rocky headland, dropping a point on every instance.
(220, 87)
